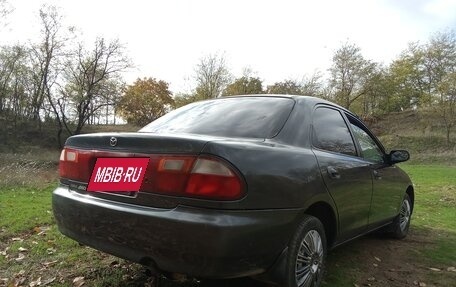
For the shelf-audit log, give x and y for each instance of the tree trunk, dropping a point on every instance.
(448, 130)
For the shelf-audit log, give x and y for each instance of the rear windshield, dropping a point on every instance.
(249, 117)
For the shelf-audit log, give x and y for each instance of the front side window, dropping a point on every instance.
(369, 149)
(331, 133)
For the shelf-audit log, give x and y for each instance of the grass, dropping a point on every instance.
(31, 209)
(27, 224)
(436, 196)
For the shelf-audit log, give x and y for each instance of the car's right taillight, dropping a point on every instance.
(212, 178)
(193, 176)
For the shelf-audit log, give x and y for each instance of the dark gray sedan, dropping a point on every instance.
(241, 186)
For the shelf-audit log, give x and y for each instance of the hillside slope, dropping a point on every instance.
(420, 132)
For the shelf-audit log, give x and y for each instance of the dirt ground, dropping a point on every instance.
(368, 261)
(371, 260)
(394, 263)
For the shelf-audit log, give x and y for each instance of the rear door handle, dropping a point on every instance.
(333, 173)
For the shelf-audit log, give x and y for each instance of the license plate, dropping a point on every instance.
(118, 174)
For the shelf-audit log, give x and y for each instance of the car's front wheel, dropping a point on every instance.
(401, 223)
(306, 254)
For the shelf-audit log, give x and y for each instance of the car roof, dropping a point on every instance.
(298, 98)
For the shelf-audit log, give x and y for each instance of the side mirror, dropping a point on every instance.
(396, 156)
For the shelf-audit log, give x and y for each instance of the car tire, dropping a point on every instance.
(401, 224)
(306, 254)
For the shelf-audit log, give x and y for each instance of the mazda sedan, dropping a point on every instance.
(259, 186)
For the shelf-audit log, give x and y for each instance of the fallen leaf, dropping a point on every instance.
(15, 282)
(371, 279)
(20, 273)
(22, 249)
(422, 284)
(375, 265)
(20, 257)
(378, 259)
(17, 239)
(37, 282)
(435, 269)
(355, 285)
(47, 264)
(50, 251)
(48, 281)
(78, 281)
(451, 269)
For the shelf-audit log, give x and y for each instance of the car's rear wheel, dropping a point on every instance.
(306, 254)
(401, 224)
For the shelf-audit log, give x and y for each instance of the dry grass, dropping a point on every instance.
(36, 168)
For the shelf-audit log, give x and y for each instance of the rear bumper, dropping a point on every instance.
(198, 242)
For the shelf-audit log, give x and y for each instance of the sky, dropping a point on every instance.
(277, 40)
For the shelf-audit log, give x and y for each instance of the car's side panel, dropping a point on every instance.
(277, 176)
(351, 190)
(389, 186)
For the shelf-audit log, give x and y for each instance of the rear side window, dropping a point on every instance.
(330, 132)
(250, 117)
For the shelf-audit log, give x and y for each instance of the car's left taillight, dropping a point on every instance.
(76, 164)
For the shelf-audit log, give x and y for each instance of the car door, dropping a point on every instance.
(386, 195)
(346, 175)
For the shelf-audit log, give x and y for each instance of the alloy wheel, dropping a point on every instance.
(309, 261)
(404, 215)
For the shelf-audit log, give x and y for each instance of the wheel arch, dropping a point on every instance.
(411, 193)
(326, 214)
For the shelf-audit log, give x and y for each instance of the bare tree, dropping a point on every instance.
(312, 86)
(5, 10)
(11, 61)
(446, 107)
(46, 60)
(43, 58)
(90, 78)
(212, 76)
(349, 73)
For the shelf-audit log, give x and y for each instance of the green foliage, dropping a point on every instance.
(244, 85)
(181, 100)
(350, 74)
(288, 87)
(144, 101)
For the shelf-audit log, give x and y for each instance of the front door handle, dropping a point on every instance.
(377, 174)
(333, 173)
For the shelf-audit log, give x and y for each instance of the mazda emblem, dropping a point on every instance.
(113, 141)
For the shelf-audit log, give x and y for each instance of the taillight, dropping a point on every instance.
(189, 176)
(212, 178)
(193, 176)
(74, 164)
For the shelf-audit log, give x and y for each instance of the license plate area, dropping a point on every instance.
(118, 175)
